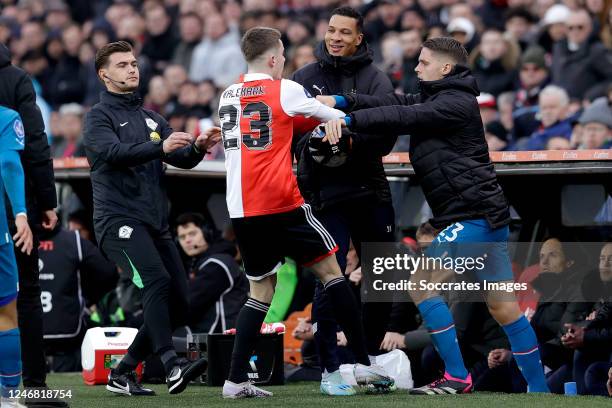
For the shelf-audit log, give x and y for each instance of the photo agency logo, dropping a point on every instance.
(549, 270)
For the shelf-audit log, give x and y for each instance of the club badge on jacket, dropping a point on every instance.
(154, 136)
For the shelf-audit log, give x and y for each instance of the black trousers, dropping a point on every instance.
(152, 261)
(360, 221)
(29, 309)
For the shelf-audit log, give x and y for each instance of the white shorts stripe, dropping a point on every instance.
(314, 223)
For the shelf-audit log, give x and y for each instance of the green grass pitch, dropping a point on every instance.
(307, 394)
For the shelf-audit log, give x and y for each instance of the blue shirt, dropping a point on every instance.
(12, 180)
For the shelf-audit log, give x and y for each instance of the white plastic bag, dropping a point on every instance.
(395, 362)
(397, 365)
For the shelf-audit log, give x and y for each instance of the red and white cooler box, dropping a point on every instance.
(102, 349)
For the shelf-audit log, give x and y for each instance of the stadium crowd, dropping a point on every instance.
(544, 68)
(189, 51)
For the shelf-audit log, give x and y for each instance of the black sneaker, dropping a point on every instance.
(183, 373)
(445, 385)
(126, 384)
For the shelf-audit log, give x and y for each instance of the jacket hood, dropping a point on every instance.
(345, 65)
(460, 78)
(5, 56)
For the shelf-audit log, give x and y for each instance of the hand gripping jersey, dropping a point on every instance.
(257, 120)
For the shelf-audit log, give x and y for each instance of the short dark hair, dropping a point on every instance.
(191, 218)
(349, 12)
(449, 47)
(104, 53)
(257, 41)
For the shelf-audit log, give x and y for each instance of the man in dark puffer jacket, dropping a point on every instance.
(451, 160)
(353, 201)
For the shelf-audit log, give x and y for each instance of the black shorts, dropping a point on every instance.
(266, 240)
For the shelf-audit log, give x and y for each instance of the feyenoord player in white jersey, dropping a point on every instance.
(268, 213)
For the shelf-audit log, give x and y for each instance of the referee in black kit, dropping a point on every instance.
(126, 146)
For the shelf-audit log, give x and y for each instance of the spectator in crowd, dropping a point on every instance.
(494, 62)
(592, 338)
(298, 32)
(158, 96)
(217, 286)
(300, 56)
(217, 57)
(391, 51)
(579, 62)
(559, 303)
(533, 77)
(71, 142)
(411, 41)
(386, 20)
(554, 103)
(505, 106)
(160, 40)
(487, 105)
(175, 76)
(413, 19)
(74, 274)
(464, 31)
(596, 121)
(69, 82)
(554, 28)
(519, 22)
(558, 143)
(496, 136)
(190, 27)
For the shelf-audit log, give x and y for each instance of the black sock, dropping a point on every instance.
(248, 326)
(126, 365)
(168, 358)
(348, 316)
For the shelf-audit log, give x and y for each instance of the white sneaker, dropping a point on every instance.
(243, 390)
(10, 403)
(373, 377)
(334, 384)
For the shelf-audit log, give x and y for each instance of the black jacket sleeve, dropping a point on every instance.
(36, 156)
(599, 330)
(98, 275)
(439, 114)
(102, 141)
(360, 101)
(379, 144)
(210, 282)
(187, 157)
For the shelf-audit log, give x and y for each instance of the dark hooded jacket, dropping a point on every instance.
(217, 289)
(448, 150)
(17, 93)
(363, 174)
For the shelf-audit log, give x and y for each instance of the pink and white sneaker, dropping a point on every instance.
(445, 385)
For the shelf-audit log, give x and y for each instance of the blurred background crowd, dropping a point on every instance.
(541, 64)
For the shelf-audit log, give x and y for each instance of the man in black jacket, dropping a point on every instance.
(17, 93)
(352, 201)
(126, 147)
(450, 158)
(217, 286)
